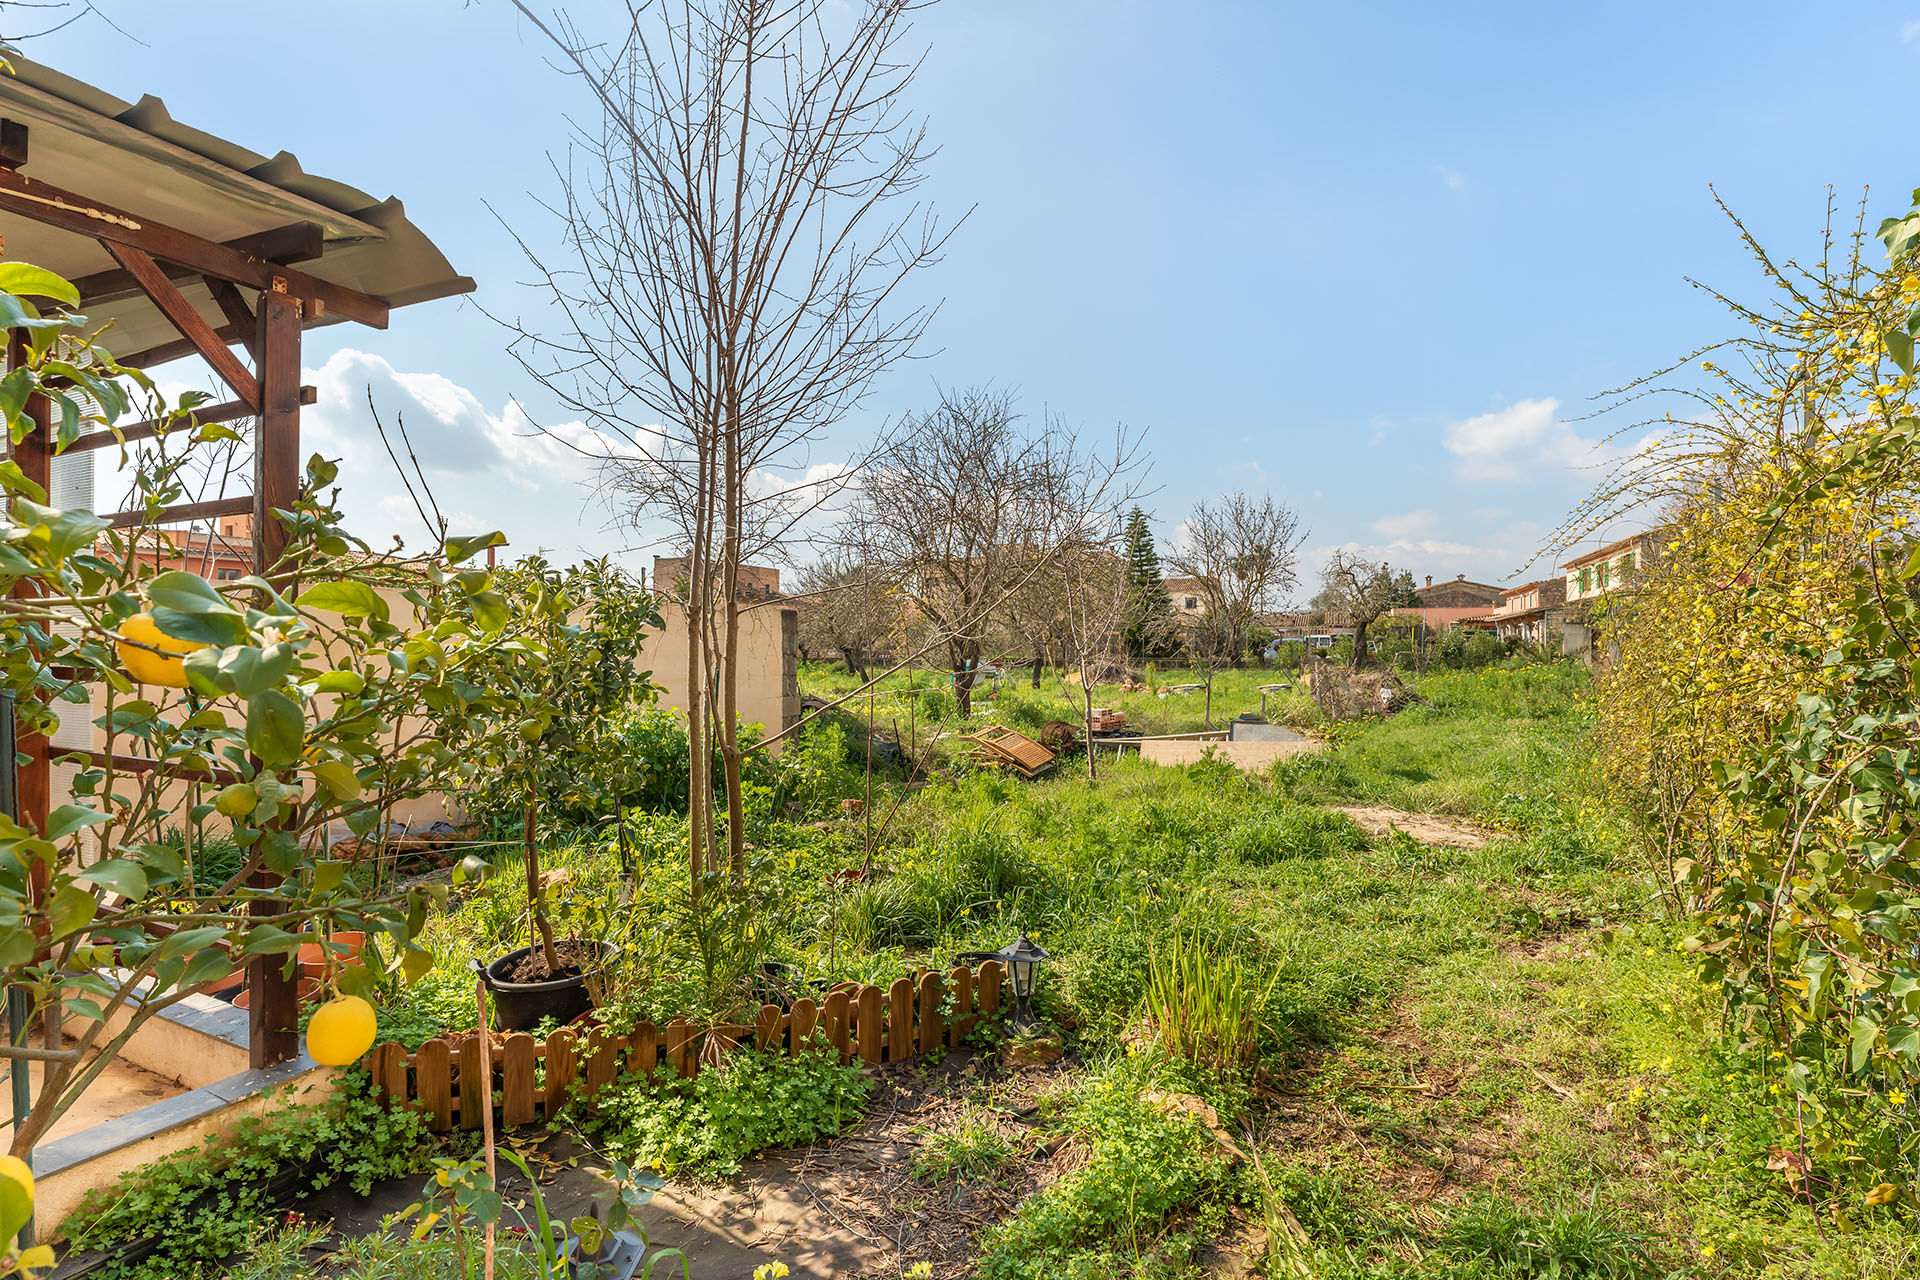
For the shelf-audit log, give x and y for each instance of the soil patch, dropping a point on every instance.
(574, 957)
(1379, 820)
(847, 1207)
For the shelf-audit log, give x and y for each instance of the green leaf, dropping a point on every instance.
(38, 282)
(276, 727)
(255, 671)
(280, 850)
(17, 313)
(338, 777)
(69, 911)
(186, 593)
(1900, 347)
(459, 549)
(348, 599)
(128, 879)
(1866, 1032)
(69, 818)
(203, 628)
(490, 610)
(347, 682)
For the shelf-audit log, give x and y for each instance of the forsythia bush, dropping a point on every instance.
(1761, 713)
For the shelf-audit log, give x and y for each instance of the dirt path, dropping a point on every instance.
(1379, 820)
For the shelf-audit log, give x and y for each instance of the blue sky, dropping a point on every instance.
(1374, 259)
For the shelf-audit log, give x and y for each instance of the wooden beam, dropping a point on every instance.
(145, 764)
(45, 203)
(174, 305)
(295, 242)
(184, 512)
(13, 144)
(228, 411)
(226, 296)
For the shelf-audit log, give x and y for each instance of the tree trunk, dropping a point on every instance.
(963, 682)
(1359, 654)
(1038, 658)
(535, 911)
(1086, 711)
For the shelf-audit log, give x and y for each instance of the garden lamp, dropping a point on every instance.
(1021, 960)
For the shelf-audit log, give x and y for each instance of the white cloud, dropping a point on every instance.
(1455, 180)
(1910, 32)
(1523, 441)
(1404, 526)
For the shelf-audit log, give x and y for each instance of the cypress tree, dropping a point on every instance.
(1149, 612)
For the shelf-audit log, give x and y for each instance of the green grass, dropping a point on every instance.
(926, 699)
(1487, 1062)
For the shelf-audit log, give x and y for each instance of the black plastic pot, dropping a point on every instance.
(519, 1005)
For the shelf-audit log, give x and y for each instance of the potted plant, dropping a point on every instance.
(555, 747)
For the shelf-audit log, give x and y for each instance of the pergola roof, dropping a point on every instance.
(138, 158)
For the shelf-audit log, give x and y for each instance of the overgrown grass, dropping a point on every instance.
(1498, 1063)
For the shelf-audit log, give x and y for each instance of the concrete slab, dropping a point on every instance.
(1260, 731)
(1254, 757)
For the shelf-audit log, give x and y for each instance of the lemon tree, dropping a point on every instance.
(268, 711)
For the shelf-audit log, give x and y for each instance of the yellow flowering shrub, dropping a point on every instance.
(1758, 711)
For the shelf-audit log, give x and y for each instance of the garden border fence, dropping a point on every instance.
(533, 1080)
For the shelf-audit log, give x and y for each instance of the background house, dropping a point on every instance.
(1615, 565)
(1458, 593)
(1188, 599)
(1525, 613)
(757, 582)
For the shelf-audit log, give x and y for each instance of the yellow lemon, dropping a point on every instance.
(15, 1168)
(145, 665)
(341, 1031)
(236, 801)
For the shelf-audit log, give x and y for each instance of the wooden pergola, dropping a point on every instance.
(191, 245)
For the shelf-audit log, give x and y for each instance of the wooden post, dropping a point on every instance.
(433, 1081)
(562, 1066)
(932, 1034)
(274, 1009)
(962, 1022)
(839, 1023)
(900, 1020)
(516, 1079)
(869, 1037)
(805, 1017)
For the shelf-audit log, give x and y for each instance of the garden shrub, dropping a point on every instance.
(708, 1124)
(206, 1203)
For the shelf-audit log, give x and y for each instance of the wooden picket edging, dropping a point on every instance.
(871, 1024)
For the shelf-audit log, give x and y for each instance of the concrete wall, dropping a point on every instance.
(769, 665)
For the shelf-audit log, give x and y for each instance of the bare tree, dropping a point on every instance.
(1358, 592)
(969, 506)
(845, 609)
(736, 224)
(1243, 557)
(1092, 598)
(1036, 614)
